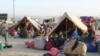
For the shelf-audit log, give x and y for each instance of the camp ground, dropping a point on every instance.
(30, 38)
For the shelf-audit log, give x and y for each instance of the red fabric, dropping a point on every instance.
(29, 44)
(92, 30)
(83, 18)
(12, 32)
(90, 19)
(48, 45)
(54, 51)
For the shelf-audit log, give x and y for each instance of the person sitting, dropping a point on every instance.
(84, 37)
(61, 38)
(61, 35)
(91, 32)
(39, 42)
(31, 32)
(75, 34)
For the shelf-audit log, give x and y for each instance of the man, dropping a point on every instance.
(74, 47)
(6, 35)
(5, 27)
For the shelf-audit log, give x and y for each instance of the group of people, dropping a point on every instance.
(73, 43)
(70, 42)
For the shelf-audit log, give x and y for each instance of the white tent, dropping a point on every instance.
(33, 22)
(75, 20)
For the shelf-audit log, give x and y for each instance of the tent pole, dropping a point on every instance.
(66, 28)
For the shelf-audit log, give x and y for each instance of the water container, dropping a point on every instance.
(1, 46)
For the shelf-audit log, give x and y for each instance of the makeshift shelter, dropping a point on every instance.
(34, 23)
(68, 22)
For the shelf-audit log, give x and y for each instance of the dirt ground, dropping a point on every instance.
(19, 49)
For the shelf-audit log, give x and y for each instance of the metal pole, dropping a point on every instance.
(13, 10)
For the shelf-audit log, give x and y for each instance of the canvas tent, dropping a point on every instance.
(35, 24)
(67, 22)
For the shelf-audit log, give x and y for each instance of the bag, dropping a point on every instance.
(91, 48)
(48, 45)
(39, 43)
(81, 48)
(75, 45)
(54, 51)
(8, 46)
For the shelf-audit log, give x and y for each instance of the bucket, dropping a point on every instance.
(1, 46)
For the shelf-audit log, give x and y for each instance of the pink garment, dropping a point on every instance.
(54, 51)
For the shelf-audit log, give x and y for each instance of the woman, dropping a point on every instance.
(39, 42)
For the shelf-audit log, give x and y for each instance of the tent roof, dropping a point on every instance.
(36, 24)
(33, 22)
(77, 22)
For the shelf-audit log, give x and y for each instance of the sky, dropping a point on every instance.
(50, 7)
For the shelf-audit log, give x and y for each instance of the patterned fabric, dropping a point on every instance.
(80, 49)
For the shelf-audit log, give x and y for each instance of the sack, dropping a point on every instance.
(81, 48)
(48, 45)
(39, 43)
(54, 51)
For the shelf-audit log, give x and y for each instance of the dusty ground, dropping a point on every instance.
(19, 49)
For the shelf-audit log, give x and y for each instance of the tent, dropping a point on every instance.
(34, 23)
(67, 22)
